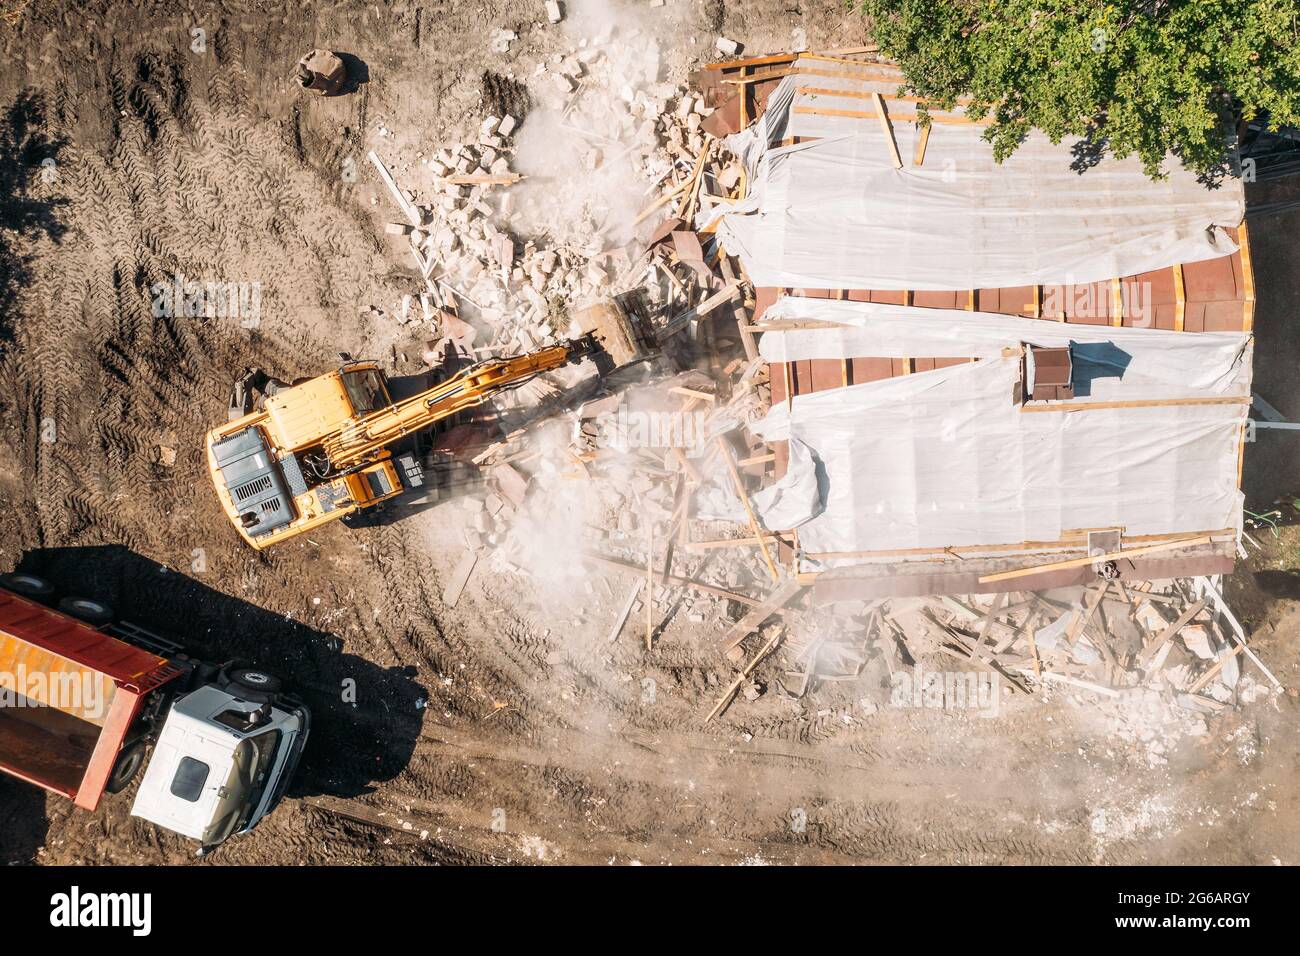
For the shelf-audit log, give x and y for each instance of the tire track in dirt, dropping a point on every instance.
(193, 164)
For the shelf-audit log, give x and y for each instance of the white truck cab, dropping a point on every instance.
(227, 739)
(221, 762)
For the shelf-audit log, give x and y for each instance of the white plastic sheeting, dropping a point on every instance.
(948, 459)
(788, 503)
(1111, 363)
(835, 214)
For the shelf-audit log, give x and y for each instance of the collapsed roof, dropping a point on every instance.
(917, 418)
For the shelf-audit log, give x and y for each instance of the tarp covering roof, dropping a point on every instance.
(951, 458)
(1115, 363)
(834, 213)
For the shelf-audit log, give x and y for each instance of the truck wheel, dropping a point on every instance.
(29, 586)
(127, 765)
(252, 684)
(94, 613)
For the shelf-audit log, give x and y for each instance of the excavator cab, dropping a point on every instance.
(366, 387)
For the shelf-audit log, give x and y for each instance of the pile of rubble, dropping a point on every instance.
(506, 257)
(1174, 647)
(668, 480)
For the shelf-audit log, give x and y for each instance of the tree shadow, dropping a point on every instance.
(366, 718)
(1280, 584)
(28, 164)
(1088, 152)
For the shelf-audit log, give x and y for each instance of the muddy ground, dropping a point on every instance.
(506, 728)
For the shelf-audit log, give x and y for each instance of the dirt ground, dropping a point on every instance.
(507, 728)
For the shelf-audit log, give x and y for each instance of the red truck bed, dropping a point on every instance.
(68, 695)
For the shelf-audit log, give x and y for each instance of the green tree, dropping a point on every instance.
(1125, 76)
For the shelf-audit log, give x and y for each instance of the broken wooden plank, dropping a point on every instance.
(1213, 672)
(624, 613)
(1080, 621)
(677, 323)
(649, 584)
(889, 130)
(1097, 559)
(1144, 657)
(693, 393)
(408, 208)
(484, 179)
(1033, 644)
(730, 692)
(685, 465)
(1238, 633)
(1075, 682)
(964, 652)
(661, 201)
(675, 580)
(922, 140)
(999, 600)
(749, 542)
(754, 619)
(459, 578)
(749, 510)
(725, 294)
(1073, 406)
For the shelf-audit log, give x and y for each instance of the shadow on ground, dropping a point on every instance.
(365, 718)
(23, 823)
(28, 166)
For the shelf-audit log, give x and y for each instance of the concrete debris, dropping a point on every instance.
(499, 40)
(511, 263)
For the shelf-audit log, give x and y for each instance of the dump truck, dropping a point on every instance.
(294, 457)
(86, 701)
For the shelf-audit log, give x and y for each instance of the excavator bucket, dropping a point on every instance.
(620, 328)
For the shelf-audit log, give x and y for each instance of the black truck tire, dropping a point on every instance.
(94, 613)
(252, 683)
(29, 586)
(127, 765)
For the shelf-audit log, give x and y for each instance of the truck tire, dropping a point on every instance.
(29, 586)
(252, 684)
(94, 613)
(127, 765)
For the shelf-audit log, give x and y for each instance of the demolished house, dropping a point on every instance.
(1028, 380)
(901, 403)
(990, 370)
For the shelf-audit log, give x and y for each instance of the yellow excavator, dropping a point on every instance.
(316, 451)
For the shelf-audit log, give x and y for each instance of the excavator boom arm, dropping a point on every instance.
(360, 440)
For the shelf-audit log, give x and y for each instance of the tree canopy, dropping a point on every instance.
(1142, 78)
